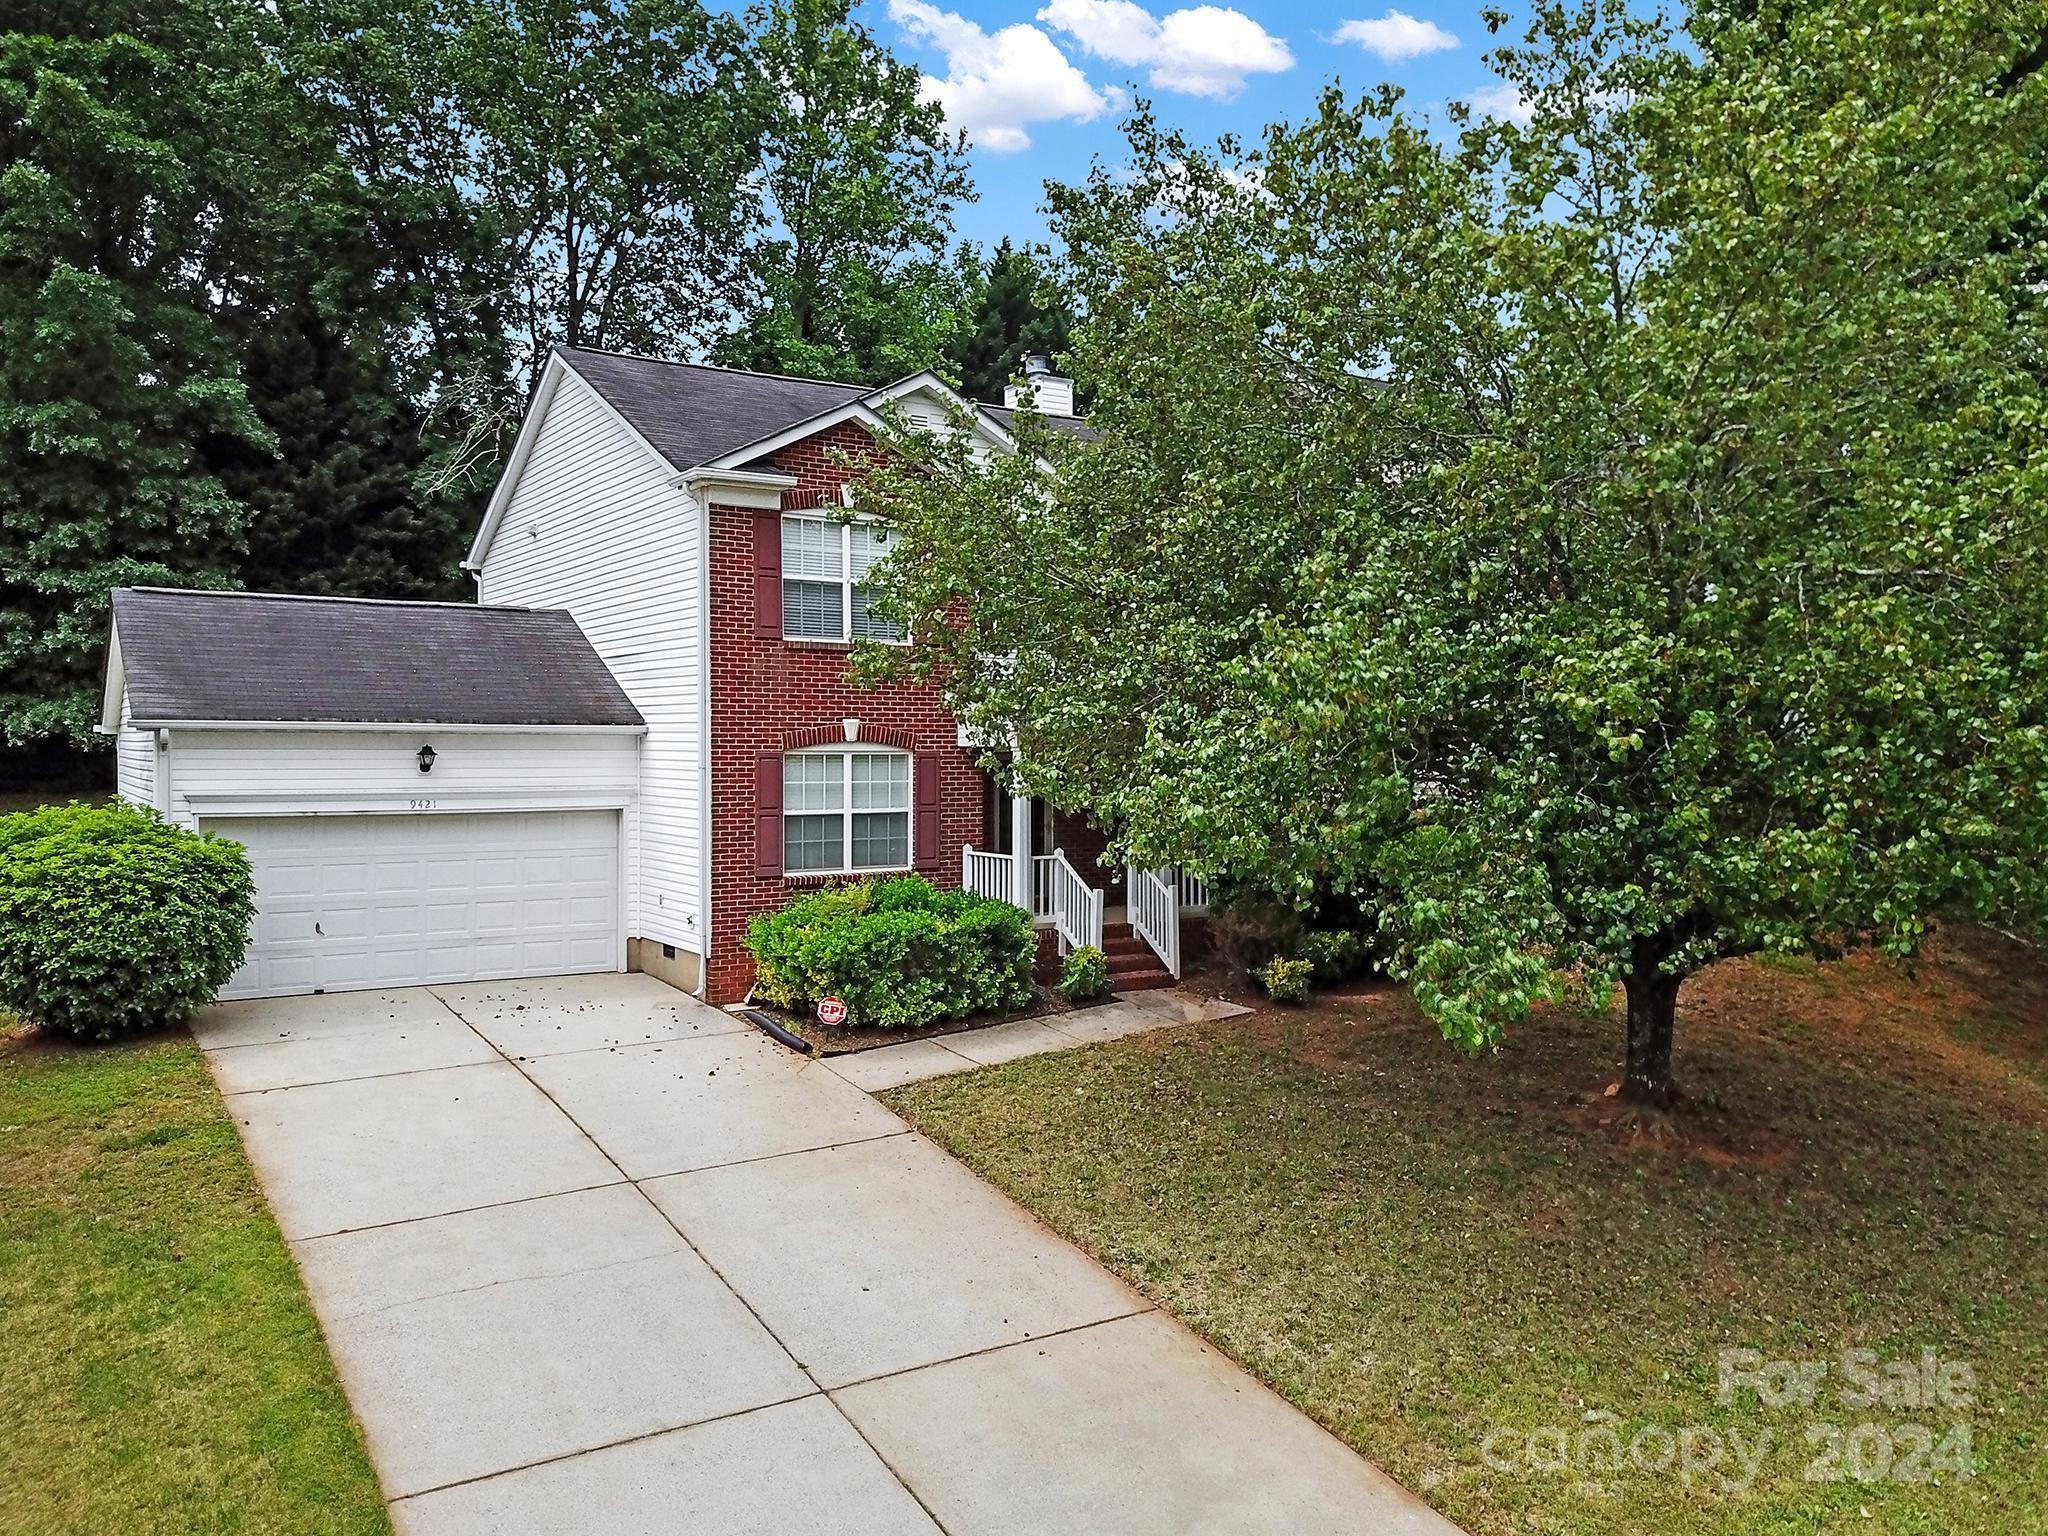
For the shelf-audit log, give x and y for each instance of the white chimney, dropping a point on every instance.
(1051, 394)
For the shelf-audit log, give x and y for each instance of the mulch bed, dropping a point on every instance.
(845, 1040)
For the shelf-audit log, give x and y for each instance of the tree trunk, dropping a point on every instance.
(1652, 1010)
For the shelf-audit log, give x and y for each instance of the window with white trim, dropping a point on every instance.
(825, 566)
(845, 810)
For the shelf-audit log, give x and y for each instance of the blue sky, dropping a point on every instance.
(1040, 85)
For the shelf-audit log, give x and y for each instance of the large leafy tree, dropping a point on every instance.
(597, 157)
(1613, 543)
(126, 219)
(207, 320)
(852, 276)
(386, 80)
(1017, 312)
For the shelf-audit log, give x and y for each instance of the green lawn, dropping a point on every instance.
(1420, 1250)
(160, 1369)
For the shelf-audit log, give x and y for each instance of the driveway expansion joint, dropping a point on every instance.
(986, 1377)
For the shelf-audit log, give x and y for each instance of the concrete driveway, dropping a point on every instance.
(592, 1256)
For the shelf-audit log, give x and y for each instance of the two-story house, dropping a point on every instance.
(648, 716)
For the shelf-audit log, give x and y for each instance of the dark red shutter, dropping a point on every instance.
(768, 576)
(926, 835)
(768, 814)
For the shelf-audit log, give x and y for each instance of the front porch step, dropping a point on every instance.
(1140, 981)
(1132, 963)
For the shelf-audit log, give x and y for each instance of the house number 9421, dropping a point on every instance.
(419, 805)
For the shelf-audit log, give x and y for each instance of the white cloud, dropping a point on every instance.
(1502, 101)
(996, 84)
(1201, 50)
(1397, 36)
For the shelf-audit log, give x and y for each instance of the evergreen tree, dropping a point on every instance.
(122, 197)
(1017, 313)
(338, 508)
(196, 316)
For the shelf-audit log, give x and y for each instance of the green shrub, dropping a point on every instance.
(113, 920)
(1286, 981)
(1084, 974)
(1335, 954)
(1253, 929)
(900, 953)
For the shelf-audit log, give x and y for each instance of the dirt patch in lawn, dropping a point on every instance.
(1425, 1250)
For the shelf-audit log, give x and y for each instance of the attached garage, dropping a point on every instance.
(428, 792)
(347, 902)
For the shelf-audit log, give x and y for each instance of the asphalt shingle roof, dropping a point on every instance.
(190, 656)
(694, 414)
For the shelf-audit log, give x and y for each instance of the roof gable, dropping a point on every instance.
(694, 416)
(693, 413)
(239, 657)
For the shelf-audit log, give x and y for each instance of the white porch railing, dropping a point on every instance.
(1041, 887)
(1062, 896)
(1155, 911)
(993, 874)
(987, 874)
(1076, 905)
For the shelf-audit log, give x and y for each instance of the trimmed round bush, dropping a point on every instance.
(1084, 974)
(1286, 981)
(899, 953)
(112, 920)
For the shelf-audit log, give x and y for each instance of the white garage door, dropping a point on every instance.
(345, 902)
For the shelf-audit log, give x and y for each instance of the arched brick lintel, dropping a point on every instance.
(823, 735)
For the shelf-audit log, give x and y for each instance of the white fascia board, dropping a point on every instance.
(735, 487)
(115, 684)
(551, 378)
(388, 727)
(931, 384)
(810, 426)
(863, 411)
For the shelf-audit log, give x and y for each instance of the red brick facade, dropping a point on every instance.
(769, 695)
(1083, 843)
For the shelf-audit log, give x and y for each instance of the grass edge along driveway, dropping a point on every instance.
(160, 1367)
(1419, 1249)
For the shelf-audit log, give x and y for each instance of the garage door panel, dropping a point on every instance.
(392, 926)
(343, 881)
(498, 916)
(346, 923)
(446, 920)
(586, 911)
(348, 902)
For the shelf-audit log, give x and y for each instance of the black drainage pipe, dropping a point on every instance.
(769, 1025)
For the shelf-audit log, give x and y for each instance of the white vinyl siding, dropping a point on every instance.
(825, 564)
(236, 772)
(134, 762)
(594, 526)
(845, 812)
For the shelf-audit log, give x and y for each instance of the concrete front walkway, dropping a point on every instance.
(594, 1257)
(1132, 1013)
